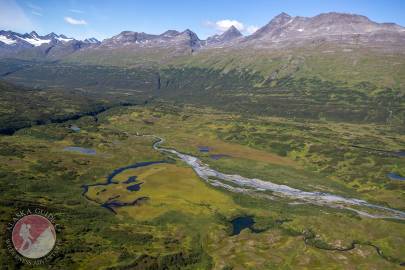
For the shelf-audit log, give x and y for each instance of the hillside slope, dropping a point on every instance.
(331, 66)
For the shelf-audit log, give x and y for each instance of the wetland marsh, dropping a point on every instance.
(174, 213)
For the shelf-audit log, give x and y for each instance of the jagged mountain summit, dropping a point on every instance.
(186, 40)
(170, 38)
(326, 27)
(34, 40)
(228, 36)
(282, 31)
(12, 43)
(29, 40)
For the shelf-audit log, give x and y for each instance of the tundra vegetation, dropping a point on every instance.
(186, 223)
(317, 104)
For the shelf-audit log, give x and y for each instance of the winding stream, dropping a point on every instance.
(237, 183)
(241, 184)
(310, 239)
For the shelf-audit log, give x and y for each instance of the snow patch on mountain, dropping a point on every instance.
(64, 39)
(6, 40)
(36, 41)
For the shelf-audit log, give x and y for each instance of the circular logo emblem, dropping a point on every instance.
(33, 236)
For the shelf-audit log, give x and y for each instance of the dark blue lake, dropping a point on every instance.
(241, 223)
(396, 177)
(135, 187)
(131, 179)
(204, 149)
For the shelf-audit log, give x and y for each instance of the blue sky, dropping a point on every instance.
(105, 18)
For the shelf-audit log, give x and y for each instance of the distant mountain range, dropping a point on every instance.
(281, 31)
(330, 66)
(170, 38)
(14, 44)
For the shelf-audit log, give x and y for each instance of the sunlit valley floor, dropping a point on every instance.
(163, 215)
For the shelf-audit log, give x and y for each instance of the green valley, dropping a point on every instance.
(272, 147)
(185, 221)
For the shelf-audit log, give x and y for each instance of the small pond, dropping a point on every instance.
(218, 156)
(203, 149)
(131, 179)
(241, 223)
(395, 176)
(74, 128)
(401, 153)
(81, 150)
(135, 187)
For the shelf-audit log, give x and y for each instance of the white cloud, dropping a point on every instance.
(224, 25)
(76, 11)
(13, 17)
(36, 13)
(73, 21)
(251, 29)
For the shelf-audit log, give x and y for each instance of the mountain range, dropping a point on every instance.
(53, 45)
(282, 31)
(335, 27)
(332, 66)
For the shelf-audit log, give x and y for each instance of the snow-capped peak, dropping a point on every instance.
(31, 39)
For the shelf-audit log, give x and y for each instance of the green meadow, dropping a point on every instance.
(185, 223)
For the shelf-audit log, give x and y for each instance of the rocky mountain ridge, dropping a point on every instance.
(282, 31)
(14, 44)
